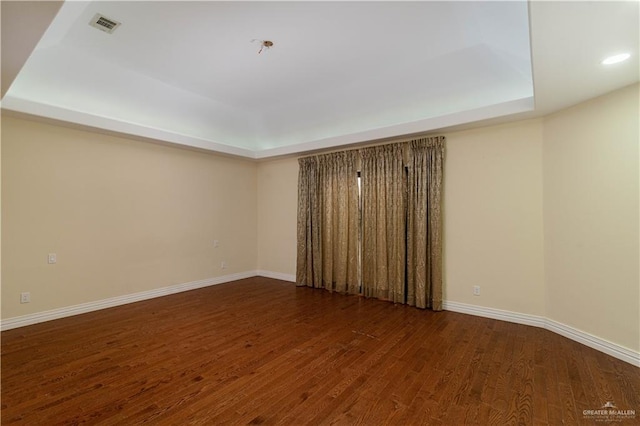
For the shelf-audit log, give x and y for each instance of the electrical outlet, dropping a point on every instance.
(223, 265)
(25, 297)
(52, 258)
(476, 290)
(216, 243)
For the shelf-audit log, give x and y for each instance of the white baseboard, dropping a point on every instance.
(616, 351)
(276, 275)
(498, 314)
(597, 343)
(68, 311)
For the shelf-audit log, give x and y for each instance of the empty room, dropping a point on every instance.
(305, 213)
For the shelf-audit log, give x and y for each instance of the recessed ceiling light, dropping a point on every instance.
(616, 58)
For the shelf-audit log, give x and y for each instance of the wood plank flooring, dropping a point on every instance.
(261, 351)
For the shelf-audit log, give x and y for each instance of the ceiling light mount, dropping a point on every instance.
(264, 44)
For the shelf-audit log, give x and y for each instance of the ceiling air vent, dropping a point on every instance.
(103, 23)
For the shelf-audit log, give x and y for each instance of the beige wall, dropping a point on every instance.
(277, 215)
(493, 225)
(591, 191)
(123, 216)
(542, 214)
(493, 217)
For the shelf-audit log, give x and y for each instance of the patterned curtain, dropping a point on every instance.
(383, 183)
(400, 229)
(328, 222)
(424, 227)
(309, 262)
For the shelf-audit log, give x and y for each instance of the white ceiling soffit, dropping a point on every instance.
(338, 73)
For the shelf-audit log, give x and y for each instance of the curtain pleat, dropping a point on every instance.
(308, 241)
(383, 222)
(399, 232)
(328, 222)
(424, 227)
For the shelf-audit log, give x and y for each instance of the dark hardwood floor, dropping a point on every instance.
(261, 351)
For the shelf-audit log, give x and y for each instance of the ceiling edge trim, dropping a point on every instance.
(517, 106)
(12, 103)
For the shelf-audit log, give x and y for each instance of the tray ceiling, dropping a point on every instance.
(338, 72)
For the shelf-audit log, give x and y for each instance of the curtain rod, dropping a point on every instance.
(370, 144)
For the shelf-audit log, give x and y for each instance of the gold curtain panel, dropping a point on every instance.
(384, 241)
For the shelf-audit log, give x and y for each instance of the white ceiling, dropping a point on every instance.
(339, 72)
